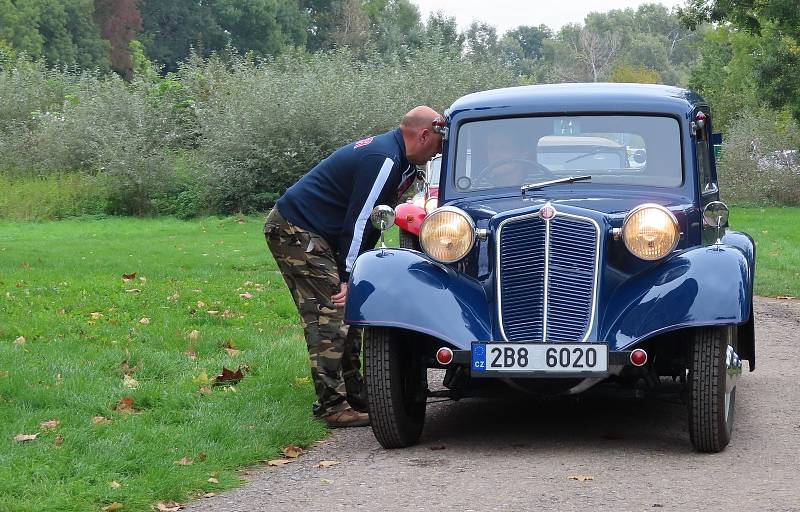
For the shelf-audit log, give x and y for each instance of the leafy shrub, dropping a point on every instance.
(760, 164)
(54, 196)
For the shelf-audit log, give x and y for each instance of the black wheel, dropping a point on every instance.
(397, 388)
(710, 406)
(409, 241)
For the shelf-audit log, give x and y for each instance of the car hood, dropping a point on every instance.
(615, 204)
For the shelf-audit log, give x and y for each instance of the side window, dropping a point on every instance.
(703, 168)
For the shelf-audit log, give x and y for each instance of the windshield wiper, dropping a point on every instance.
(570, 179)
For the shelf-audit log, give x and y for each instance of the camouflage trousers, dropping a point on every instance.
(309, 268)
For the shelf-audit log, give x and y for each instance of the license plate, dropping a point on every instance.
(546, 358)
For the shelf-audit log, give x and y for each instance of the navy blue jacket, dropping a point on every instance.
(335, 198)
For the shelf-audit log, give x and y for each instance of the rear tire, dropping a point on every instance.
(409, 241)
(397, 387)
(710, 408)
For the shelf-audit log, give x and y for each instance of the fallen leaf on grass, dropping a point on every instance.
(115, 485)
(194, 335)
(114, 506)
(129, 382)
(173, 297)
(143, 279)
(205, 390)
(246, 295)
(228, 314)
(580, 478)
(46, 425)
(785, 297)
(229, 348)
(125, 405)
(327, 463)
(201, 456)
(100, 420)
(128, 277)
(184, 462)
(191, 354)
(169, 506)
(212, 312)
(21, 438)
(145, 321)
(59, 440)
(301, 381)
(96, 315)
(213, 480)
(228, 377)
(201, 378)
(60, 312)
(20, 340)
(134, 290)
(292, 451)
(209, 495)
(200, 304)
(279, 462)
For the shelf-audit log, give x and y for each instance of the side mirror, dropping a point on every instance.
(382, 218)
(715, 215)
(640, 156)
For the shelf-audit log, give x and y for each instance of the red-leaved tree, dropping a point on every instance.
(119, 22)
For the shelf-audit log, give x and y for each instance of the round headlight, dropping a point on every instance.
(431, 204)
(650, 232)
(447, 234)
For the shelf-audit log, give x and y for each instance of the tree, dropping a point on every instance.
(70, 35)
(776, 24)
(119, 22)
(625, 73)
(442, 30)
(19, 26)
(481, 40)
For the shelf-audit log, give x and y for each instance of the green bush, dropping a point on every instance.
(54, 196)
(757, 167)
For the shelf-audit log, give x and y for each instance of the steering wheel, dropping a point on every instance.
(531, 168)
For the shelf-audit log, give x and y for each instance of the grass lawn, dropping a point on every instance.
(777, 235)
(75, 339)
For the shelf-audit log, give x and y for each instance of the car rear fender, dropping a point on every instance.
(406, 289)
(705, 286)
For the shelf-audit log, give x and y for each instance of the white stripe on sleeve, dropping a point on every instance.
(363, 216)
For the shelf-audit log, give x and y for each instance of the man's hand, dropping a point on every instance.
(340, 298)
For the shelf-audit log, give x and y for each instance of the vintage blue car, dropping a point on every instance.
(579, 239)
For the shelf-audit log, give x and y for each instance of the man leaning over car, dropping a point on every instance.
(316, 231)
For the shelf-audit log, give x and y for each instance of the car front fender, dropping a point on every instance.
(710, 285)
(406, 289)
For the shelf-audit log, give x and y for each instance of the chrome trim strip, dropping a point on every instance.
(498, 288)
(545, 288)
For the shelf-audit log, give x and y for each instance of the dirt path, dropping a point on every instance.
(487, 455)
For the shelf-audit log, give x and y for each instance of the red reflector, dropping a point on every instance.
(444, 355)
(638, 357)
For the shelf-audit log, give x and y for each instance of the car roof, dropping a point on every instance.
(579, 97)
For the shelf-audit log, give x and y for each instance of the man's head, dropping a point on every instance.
(422, 142)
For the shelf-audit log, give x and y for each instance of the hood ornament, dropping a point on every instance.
(547, 212)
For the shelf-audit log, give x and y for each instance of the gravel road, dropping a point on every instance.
(519, 455)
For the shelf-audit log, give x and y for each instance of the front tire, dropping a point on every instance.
(710, 407)
(396, 380)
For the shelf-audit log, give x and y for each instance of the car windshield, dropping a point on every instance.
(630, 150)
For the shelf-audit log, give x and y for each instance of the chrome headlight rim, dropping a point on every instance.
(670, 216)
(459, 212)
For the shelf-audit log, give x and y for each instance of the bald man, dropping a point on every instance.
(317, 230)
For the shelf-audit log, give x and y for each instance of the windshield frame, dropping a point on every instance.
(460, 121)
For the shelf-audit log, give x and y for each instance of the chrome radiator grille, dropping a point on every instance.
(547, 277)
